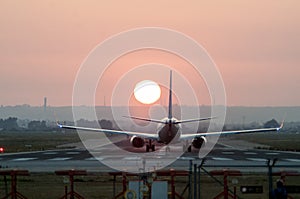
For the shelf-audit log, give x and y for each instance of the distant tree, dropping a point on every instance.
(37, 125)
(253, 125)
(106, 124)
(271, 124)
(10, 123)
(1, 123)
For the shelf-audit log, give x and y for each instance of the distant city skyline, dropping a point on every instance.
(255, 45)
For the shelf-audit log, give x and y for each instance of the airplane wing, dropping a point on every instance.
(141, 135)
(174, 122)
(193, 135)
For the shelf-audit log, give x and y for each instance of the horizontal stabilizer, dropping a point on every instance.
(194, 120)
(146, 119)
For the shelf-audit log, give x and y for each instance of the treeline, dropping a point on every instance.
(15, 124)
(9, 124)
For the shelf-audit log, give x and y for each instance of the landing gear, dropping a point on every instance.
(187, 147)
(150, 146)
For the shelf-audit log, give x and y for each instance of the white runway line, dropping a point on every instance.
(59, 159)
(257, 159)
(228, 152)
(221, 159)
(23, 159)
(132, 158)
(250, 153)
(272, 153)
(73, 153)
(186, 158)
(293, 160)
(94, 159)
(50, 153)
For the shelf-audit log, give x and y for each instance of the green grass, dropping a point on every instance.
(35, 141)
(276, 141)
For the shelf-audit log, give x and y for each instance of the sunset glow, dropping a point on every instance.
(255, 45)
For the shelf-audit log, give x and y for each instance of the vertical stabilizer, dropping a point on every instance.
(170, 97)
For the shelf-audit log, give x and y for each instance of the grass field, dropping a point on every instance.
(35, 141)
(276, 141)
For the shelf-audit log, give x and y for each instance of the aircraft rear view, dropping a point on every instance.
(169, 130)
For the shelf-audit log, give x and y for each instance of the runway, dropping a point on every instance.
(220, 157)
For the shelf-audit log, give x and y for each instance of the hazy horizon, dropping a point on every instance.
(233, 114)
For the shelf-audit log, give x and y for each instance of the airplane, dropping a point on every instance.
(168, 129)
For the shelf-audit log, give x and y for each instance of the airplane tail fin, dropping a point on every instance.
(170, 114)
(170, 98)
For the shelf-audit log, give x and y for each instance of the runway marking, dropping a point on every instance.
(257, 159)
(162, 153)
(73, 153)
(228, 152)
(94, 159)
(221, 159)
(272, 153)
(59, 159)
(132, 158)
(50, 153)
(293, 160)
(24, 159)
(250, 153)
(186, 158)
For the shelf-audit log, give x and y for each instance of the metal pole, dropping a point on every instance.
(225, 185)
(270, 180)
(72, 186)
(195, 181)
(13, 186)
(114, 187)
(190, 179)
(271, 164)
(234, 194)
(172, 185)
(199, 173)
(66, 191)
(5, 183)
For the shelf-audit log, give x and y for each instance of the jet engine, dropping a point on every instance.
(199, 141)
(137, 141)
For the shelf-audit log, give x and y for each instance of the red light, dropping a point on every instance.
(1, 149)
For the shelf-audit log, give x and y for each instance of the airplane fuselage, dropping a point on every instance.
(168, 131)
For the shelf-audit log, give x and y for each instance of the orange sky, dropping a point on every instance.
(255, 45)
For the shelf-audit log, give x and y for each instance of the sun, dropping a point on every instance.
(147, 92)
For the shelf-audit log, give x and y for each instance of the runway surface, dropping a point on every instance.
(222, 156)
